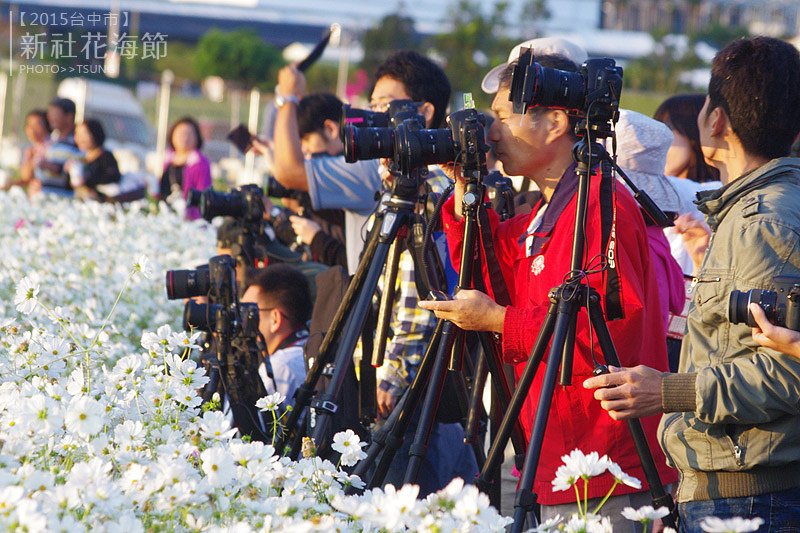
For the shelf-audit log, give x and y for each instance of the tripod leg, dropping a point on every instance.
(325, 405)
(525, 498)
(387, 301)
(430, 406)
(305, 392)
(390, 436)
(660, 497)
(511, 416)
(476, 411)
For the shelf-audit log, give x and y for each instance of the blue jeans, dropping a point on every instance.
(779, 510)
(447, 458)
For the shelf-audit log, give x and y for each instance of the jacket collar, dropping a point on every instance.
(565, 189)
(715, 204)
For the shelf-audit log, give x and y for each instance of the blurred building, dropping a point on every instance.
(778, 18)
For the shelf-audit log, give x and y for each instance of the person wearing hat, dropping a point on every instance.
(534, 253)
(642, 145)
(731, 416)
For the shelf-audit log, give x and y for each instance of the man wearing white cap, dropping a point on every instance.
(534, 252)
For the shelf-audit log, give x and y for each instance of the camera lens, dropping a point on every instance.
(737, 307)
(361, 144)
(425, 147)
(739, 301)
(187, 283)
(199, 316)
(558, 88)
(218, 204)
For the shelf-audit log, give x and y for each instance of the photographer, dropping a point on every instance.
(284, 307)
(733, 415)
(534, 252)
(329, 180)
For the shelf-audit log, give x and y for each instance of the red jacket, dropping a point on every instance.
(576, 419)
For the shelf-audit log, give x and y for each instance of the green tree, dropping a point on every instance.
(180, 59)
(661, 70)
(474, 45)
(718, 35)
(394, 32)
(239, 57)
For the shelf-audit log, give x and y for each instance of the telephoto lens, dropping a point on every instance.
(200, 316)
(188, 283)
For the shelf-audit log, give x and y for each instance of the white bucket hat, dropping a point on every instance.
(541, 46)
(642, 145)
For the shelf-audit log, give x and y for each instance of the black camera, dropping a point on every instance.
(593, 92)
(242, 320)
(216, 280)
(409, 144)
(244, 203)
(782, 306)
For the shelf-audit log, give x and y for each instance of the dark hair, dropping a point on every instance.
(42, 116)
(314, 109)
(556, 61)
(64, 104)
(96, 131)
(680, 113)
(424, 80)
(757, 83)
(285, 287)
(191, 122)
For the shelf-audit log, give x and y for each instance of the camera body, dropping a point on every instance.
(593, 92)
(245, 203)
(408, 143)
(782, 306)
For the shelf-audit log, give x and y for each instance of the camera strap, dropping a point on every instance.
(608, 243)
(496, 279)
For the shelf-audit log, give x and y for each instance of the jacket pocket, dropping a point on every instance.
(694, 445)
(711, 294)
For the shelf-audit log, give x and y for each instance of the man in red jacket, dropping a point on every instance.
(534, 253)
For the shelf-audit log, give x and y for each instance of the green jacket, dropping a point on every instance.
(733, 422)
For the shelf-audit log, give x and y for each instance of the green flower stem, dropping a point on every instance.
(578, 498)
(585, 496)
(606, 497)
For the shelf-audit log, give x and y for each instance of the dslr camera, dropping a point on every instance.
(782, 306)
(234, 353)
(593, 92)
(400, 135)
(244, 203)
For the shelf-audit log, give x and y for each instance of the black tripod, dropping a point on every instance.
(558, 330)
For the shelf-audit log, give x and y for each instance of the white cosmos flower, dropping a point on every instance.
(271, 402)
(549, 524)
(215, 425)
(622, 477)
(585, 465)
(182, 341)
(736, 524)
(218, 466)
(644, 513)
(142, 265)
(84, 416)
(349, 445)
(27, 293)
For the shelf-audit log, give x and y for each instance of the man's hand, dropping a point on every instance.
(304, 228)
(696, 235)
(628, 392)
(769, 335)
(386, 402)
(471, 310)
(291, 82)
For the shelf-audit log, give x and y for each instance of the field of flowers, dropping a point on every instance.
(100, 425)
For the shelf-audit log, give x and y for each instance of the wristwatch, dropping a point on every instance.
(281, 100)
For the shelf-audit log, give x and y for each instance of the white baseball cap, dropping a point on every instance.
(541, 46)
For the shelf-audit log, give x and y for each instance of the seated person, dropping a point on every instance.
(284, 304)
(98, 165)
(37, 130)
(51, 176)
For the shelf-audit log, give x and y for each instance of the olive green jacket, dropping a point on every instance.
(733, 422)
